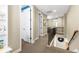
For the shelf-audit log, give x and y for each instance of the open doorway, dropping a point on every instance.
(25, 27)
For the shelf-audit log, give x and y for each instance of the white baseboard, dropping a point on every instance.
(76, 50)
(52, 42)
(45, 34)
(32, 41)
(18, 50)
(36, 38)
(41, 35)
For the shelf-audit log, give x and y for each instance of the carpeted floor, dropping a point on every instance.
(40, 47)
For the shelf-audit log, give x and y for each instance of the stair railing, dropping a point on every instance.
(75, 32)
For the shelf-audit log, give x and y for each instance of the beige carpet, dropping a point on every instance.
(40, 47)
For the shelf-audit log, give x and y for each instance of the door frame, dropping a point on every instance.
(40, 30)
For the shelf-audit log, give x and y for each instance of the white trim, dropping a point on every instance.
(20, 32)
(6, 49)
(36, 38)
(75, 50)
(45, 34)
(41, 35)
(32, 26)
(33, 41)
(18, 50)
(52, 42)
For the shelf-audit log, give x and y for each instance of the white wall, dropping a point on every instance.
(14, 27)
(73, 24)
(72, 21)
(75, 44)
(35, 21)
(56, 22)
(64, 24)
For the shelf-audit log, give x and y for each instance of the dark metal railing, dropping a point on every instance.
(75, 32)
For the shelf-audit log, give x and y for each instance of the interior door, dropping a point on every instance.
(25, 23)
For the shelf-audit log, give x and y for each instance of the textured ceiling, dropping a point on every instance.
(53, 11)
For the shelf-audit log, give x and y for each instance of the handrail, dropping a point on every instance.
(75, 32)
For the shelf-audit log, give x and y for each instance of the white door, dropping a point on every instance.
(25, 24)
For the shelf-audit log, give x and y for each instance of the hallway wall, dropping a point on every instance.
(73, 24)
(14, 27)
(44, 24)
(72, 20)
(35, 23)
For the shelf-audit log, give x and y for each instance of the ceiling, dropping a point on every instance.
(53, 11)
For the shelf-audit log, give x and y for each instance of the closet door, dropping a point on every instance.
(25, 23)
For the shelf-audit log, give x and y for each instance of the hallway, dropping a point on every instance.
(40, 47)
(29, 22)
